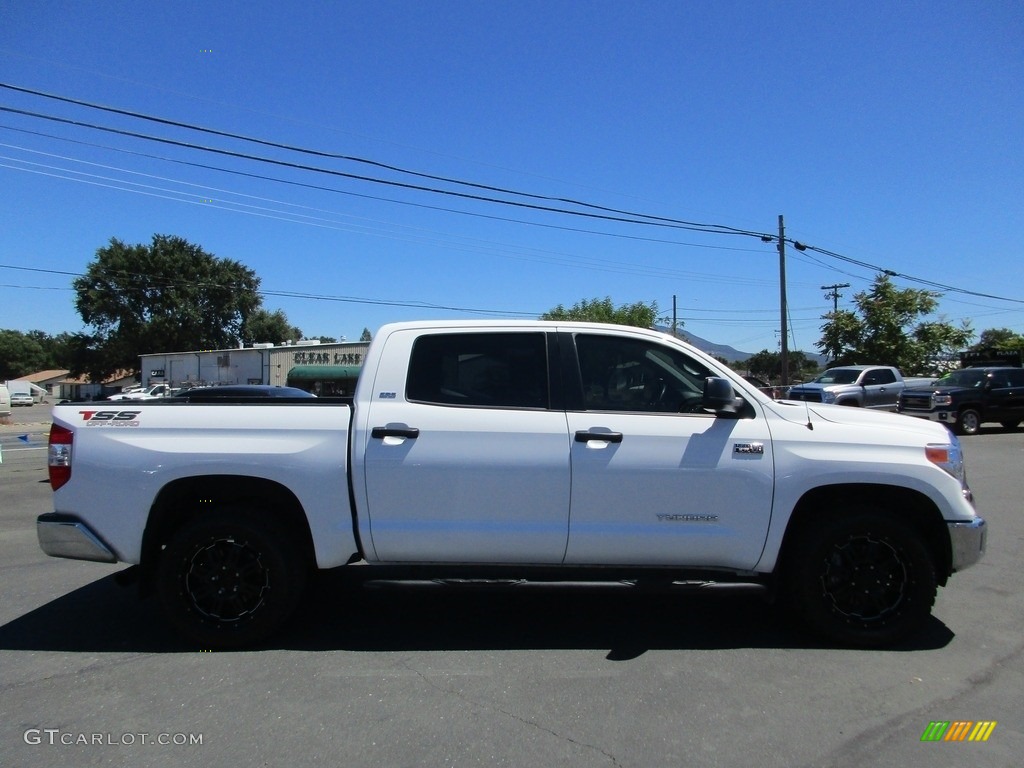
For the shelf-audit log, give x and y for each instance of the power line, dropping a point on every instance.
(343, 192)
(372, 163)
(621, 216)
(165, 283)
(493, 249)
(891, 273)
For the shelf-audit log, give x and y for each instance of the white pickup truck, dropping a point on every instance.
(517, 450)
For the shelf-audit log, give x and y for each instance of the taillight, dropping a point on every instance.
(59, 459)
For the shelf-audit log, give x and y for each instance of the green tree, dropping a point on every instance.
(768, 365)
(21, 354)
(765, 364)
(263, 326)
(61, 349)
(366, 335)
(999, 338)
(167, 296)
(638, 314)
(86, 355)
(887, 329)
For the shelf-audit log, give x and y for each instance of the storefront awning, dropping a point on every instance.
(324, 372)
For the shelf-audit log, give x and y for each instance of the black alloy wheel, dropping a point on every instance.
(861, 578)
(230, 578)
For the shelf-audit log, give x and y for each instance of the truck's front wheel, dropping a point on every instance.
(861, 578)
(230, 579)
(968, 422)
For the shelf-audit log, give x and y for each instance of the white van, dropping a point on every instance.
(34, 391)
(5, 401)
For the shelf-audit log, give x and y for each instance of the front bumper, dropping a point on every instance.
(968, 542)
(63, 536)
(941, 417)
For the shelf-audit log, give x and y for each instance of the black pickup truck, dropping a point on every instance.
(965, 399)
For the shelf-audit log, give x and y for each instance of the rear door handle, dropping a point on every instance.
(586, 436)
(381, 432)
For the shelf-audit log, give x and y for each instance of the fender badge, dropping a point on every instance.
(749, 448)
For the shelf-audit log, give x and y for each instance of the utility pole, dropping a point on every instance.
(835, 295)
(784, 350)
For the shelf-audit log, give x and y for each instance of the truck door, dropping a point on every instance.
(463, 458)
(1005, 398)
(655, 480)
(880, 389)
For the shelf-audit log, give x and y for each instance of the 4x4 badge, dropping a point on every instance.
(757, 448)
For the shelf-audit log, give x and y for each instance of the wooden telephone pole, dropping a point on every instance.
(835, 295)
(784, 350)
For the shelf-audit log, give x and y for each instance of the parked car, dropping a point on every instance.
(125, 391)
(21, 398)
(154, 392)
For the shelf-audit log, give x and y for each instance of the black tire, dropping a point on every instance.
(968, 422)
(230, 578)
(861, 578)
(1012, 424)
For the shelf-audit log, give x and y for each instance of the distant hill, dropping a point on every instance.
(728, 353)
(715, 350)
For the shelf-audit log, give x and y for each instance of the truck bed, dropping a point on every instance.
(300, 445)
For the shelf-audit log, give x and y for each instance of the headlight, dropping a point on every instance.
(828, 397)
(942, 399)
(948, 456)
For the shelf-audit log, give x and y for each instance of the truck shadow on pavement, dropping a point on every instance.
(342, 615)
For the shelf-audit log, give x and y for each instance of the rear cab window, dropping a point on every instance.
(492, 370)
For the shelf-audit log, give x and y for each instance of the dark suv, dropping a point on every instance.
(963, 400)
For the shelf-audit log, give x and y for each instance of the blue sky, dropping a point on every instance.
(887, 133)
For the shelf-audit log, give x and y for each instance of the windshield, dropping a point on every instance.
(838, 376)
(968, 377)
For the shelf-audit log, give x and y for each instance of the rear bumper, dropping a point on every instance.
(968, 542)
(63, 536)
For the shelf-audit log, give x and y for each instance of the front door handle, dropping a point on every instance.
(586, 436)
(381, 432)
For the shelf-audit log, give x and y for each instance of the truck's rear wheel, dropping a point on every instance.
(861, 578)
(230, 578)
(968, 422)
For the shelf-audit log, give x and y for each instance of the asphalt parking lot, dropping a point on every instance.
(90, 676)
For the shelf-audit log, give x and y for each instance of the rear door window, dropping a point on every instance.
(494, 370)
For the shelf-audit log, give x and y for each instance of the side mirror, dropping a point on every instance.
(719, 395)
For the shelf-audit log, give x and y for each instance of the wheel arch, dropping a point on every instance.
(909, 506)
(183, 500)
